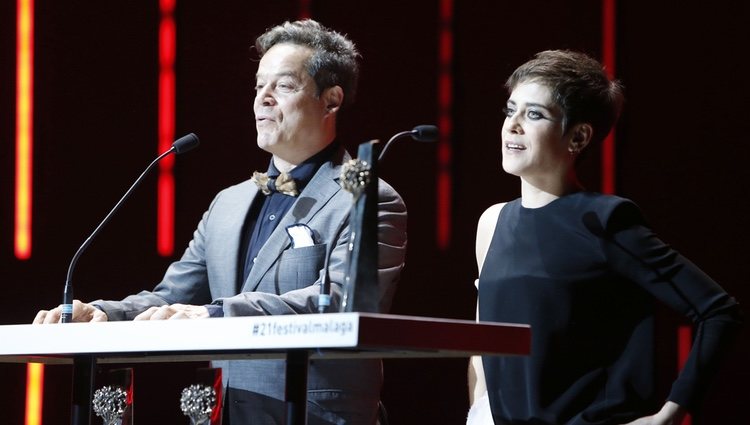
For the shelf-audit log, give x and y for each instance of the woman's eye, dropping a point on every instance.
(535, 115)
(508, 112)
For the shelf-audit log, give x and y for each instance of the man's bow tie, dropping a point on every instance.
(284, 183)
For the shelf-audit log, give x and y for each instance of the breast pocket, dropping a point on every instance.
(299, 267)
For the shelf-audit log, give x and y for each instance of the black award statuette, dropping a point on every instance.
(359, 176)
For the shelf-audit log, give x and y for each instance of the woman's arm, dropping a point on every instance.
(485, 230)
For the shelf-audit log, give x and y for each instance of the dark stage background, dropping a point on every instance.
(682, 149)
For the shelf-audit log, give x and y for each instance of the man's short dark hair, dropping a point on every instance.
(334, 61)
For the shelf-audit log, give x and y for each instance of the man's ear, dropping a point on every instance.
(581, 137)
(333, 98)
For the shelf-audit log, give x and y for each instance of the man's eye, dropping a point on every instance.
(285, 86)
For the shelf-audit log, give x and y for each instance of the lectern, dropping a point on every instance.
(297, 337)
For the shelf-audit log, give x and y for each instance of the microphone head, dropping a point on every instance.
(425, 133)
(420, 133)
(185, 143)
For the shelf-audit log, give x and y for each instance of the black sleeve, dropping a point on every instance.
(634, 251)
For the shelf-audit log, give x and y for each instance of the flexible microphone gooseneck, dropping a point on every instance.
(181, 145)
(420, 133)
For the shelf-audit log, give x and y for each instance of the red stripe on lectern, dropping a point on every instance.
(445, 124)
(165, 192)
(24, 127)
(34, 393)
(609, 17)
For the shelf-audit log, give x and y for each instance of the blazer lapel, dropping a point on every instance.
(316, 194)
(227, 253)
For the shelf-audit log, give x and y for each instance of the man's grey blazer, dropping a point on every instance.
(284, 280)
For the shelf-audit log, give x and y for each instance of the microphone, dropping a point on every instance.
(181, 145)
(184, 144)
(420, 133)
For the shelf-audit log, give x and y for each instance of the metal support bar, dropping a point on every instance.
(296, 387)
(83, 383)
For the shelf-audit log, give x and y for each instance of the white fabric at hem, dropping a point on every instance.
(479, 413)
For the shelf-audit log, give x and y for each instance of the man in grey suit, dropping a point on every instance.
(243, 259)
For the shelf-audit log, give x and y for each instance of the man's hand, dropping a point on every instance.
(174, 311)
(81, 313)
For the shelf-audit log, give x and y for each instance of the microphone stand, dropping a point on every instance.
(182, 144)
(360, 286)
(420, 133)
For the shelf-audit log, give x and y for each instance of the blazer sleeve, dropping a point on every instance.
(185, 281)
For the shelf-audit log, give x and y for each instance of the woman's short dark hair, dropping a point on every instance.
(579, 85)
(335, 59)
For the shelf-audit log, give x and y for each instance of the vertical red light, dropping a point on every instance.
(305, 9)
(34, 393)
(609, 19)
(684, 343)
(445, 124)
(24, 175)
(24, 126)
(165, 190)
(609, 16)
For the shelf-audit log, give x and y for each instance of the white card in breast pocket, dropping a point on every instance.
(301, 235)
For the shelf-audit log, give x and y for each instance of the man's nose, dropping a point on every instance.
(264, 97)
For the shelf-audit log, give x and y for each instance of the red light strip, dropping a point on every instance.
(165, 192)
(24, 126)
(34, 393)
(609, 19)
(609, 15)
(684, 343)
(24, 175)
(305, 9)
(445, 120)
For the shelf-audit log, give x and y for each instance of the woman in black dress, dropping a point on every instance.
(583, 269)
